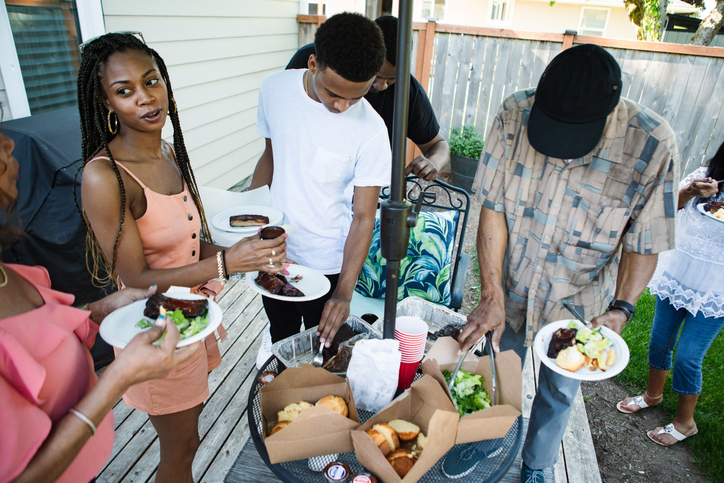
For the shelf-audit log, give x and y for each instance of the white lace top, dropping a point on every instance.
(692, 275)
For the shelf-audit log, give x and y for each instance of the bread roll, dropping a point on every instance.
(405, 431)
(279, 426)
(385, 438)
(335, 403)
(611, 357)
(293, 410)
(402, 461)
(570, 359)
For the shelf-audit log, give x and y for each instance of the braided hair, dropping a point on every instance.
(95, 138)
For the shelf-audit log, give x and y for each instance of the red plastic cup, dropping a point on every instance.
(407, 374)
(411, 333)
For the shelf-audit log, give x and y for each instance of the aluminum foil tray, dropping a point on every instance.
(297, 349)
(436, 316)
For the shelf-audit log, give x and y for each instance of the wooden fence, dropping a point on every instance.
(468, 71)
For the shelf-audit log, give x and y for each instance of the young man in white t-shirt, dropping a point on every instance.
(324, 144)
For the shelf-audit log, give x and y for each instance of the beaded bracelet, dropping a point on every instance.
(220, 267)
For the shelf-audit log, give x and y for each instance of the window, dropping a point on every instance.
(433, 8)
(46, 41)
(593, 21)
(39, 55)
(500, 11)
(315, 10)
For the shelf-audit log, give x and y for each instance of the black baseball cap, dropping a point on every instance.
(578, 90)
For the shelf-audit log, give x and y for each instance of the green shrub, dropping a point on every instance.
(466, 142)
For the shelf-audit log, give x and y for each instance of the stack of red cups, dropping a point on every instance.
(411, 332)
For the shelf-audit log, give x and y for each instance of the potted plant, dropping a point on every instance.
(466, 145)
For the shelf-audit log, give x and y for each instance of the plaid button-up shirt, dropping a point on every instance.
(568, 219)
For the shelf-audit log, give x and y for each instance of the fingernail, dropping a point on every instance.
(460, 352)
(286, 235)
(286, 266)
(258, 230)
(286, 272)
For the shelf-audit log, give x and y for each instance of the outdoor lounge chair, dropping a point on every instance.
(435, 267)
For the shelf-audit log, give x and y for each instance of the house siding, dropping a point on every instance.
(217, 52)
(6, 114)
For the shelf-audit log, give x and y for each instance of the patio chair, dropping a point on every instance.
(435, 267)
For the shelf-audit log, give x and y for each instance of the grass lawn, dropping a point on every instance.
(706, 447)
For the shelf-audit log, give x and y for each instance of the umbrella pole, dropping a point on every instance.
(397, 216)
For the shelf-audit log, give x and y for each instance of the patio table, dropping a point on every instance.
(489, 470)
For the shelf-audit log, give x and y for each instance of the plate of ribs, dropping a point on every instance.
(301, 285)
(246, 219)
(121, 325)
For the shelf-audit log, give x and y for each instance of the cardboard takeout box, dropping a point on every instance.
(424, 404)
(316, 431)
(496, 421)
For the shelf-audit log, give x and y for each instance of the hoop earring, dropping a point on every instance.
(112, 129)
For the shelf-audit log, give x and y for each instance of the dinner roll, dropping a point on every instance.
(293, 410)
(335, 403)
(401, 461)
(279, 426)
(405, 431)
(385, 438)
(570, 359)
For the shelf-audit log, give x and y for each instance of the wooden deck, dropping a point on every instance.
(224, 428)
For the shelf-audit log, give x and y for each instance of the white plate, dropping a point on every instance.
(119, 327)
(220, 221)
(543, 340)
(313, 284)
(700, 207)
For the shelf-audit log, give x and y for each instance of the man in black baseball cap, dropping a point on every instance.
(574, 179)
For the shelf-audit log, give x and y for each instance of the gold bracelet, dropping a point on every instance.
(220, 266)
(83, 418)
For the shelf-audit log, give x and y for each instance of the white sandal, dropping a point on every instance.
(670, 430)
(638, 401)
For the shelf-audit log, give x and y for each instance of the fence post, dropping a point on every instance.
(423, 67)
(568, 39)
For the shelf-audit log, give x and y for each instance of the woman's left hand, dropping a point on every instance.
(106, 305)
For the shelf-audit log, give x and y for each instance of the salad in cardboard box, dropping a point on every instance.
(480, 418)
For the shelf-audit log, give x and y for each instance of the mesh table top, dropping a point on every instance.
(490, 470)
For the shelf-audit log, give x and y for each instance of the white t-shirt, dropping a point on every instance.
(319, 157)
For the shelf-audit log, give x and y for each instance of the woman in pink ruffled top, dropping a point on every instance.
(56, 422)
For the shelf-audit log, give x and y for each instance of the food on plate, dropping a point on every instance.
(447, 331)
(570, 359)
(384, 437)
(611, 357)
(402, 461)
(277, 284)
(248, 220)
(335, 403)
(292, 411)
(561, 339)
(298, 277)
(189, 308)
(190, 316)
(267, 377)
(468, 392)
(406, 431)
(279, 426)
(270, 232)
(589, 348)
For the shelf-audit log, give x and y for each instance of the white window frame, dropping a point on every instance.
(90, 19)
(505, 22)
(605, 26)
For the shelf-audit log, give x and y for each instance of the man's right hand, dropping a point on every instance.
(488, 315)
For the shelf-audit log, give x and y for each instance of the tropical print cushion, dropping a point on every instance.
(426, 270)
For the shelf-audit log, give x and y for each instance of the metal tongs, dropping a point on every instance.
(489, 343)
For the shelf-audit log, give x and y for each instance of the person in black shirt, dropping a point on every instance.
(423, 128)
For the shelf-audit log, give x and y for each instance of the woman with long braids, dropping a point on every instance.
(146, 224)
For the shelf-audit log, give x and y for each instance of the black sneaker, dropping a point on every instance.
(463, 458)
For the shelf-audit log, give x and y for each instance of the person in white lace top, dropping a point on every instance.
(689, 288)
